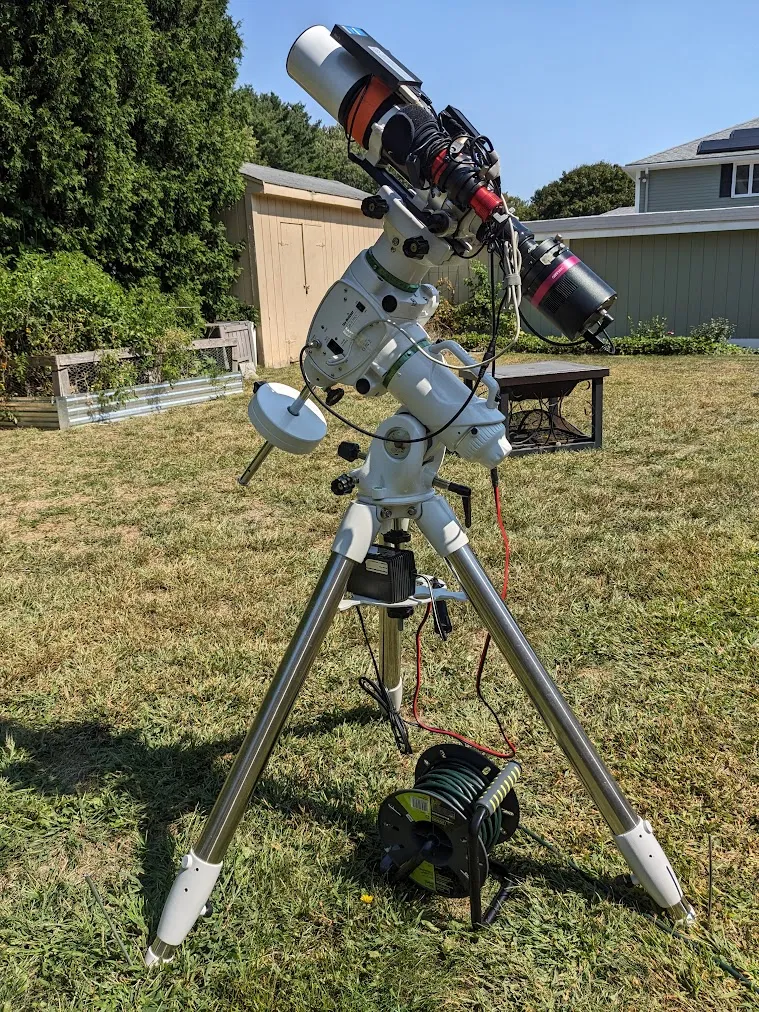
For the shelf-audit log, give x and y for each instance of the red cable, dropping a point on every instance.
(486, 644)
(415, 703)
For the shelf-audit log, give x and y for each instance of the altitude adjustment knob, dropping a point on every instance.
(374, 207)
(416, 247)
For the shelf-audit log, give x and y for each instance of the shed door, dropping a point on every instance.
(301, 258)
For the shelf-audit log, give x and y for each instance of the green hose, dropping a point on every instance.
(459, 784)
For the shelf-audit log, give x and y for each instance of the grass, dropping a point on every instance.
(145, 600)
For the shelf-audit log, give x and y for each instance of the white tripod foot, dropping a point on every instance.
(185, 903)
(652, 870)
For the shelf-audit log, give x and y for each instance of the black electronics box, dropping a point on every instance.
(386, 574)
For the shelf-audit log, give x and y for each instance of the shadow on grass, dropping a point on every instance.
(170, 781)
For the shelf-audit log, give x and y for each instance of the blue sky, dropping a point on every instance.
(554, 83)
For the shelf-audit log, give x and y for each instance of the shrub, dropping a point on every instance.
(64, 303)
(651, 337)
(714, 331)
(474, 315)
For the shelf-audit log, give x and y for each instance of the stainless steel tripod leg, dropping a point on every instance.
(632, 834)
(201, 867)
(390, 657)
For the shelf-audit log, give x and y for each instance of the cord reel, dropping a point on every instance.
(440, 833)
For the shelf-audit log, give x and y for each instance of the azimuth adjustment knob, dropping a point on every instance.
(416, 247)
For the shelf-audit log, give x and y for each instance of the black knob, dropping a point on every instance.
(348, 451)
(334, 394)
(363, 386)
(343, 484)
(416, 248)
(437, 222)
(374, 207)
(390, 303)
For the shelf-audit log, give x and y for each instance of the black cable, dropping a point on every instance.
(378, 692)
(548, 340)
(376, 435)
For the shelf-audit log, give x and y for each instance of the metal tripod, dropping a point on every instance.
(393, 489)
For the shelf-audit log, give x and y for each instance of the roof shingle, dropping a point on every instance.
(278, 177)
(685, 152)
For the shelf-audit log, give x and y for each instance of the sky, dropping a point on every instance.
(553, 83)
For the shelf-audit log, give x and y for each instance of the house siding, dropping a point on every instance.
(688, 189)
(687, 278)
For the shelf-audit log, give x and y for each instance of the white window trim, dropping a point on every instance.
(753, 173)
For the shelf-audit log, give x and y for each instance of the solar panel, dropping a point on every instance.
(739, 140)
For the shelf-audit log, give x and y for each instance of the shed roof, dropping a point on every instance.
(294, 180)
(689, 151)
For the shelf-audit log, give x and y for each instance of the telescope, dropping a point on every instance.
(439, 197)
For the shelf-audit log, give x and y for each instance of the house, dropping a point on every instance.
(689, 248)
(719, 170)
(297, 234)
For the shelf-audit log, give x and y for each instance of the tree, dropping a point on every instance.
(520, 207)
(121, 136)
(588, 189)
(331, 160)
(286, 138)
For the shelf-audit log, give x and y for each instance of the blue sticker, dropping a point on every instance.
(355, 31)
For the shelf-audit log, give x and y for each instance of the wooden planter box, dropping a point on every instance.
(68, 407)
(82, 409)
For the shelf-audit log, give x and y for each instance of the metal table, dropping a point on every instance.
(550, 381)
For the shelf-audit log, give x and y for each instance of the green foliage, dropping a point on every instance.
(65, 303)
(588, 189)
(523, 209)
(285, 137)
(651, 337)
(122, 137)
(330, 160)
(717, 331)
(473, 316)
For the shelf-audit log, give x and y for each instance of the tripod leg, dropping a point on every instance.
(632, 834)
(201, 867)
(390, 657)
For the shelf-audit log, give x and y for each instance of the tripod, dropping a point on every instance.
(395, 487)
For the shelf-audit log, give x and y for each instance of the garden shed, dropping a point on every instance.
(298, 234)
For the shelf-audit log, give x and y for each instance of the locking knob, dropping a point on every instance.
(374, 207)
(334, 394)
(343, 484)
(349, 451)
(416, 247)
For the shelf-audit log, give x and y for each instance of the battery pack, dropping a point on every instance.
(387, 574)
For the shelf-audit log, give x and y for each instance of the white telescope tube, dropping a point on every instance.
(323, 68)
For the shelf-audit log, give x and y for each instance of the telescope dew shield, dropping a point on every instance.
(324, 69)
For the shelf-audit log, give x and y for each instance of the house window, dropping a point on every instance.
(745, 179)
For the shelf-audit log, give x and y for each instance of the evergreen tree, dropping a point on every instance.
(121, 136)
(286, 138)
(588, 189)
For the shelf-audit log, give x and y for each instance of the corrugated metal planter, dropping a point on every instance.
(108, 406)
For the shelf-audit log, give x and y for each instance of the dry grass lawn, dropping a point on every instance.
(145, 600)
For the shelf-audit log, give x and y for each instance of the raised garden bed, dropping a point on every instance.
(73, 402)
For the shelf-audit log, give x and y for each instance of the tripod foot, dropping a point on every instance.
(186, 902)
(652, 871)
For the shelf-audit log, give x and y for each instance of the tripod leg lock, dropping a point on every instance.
(652, 870)
(185, 903)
